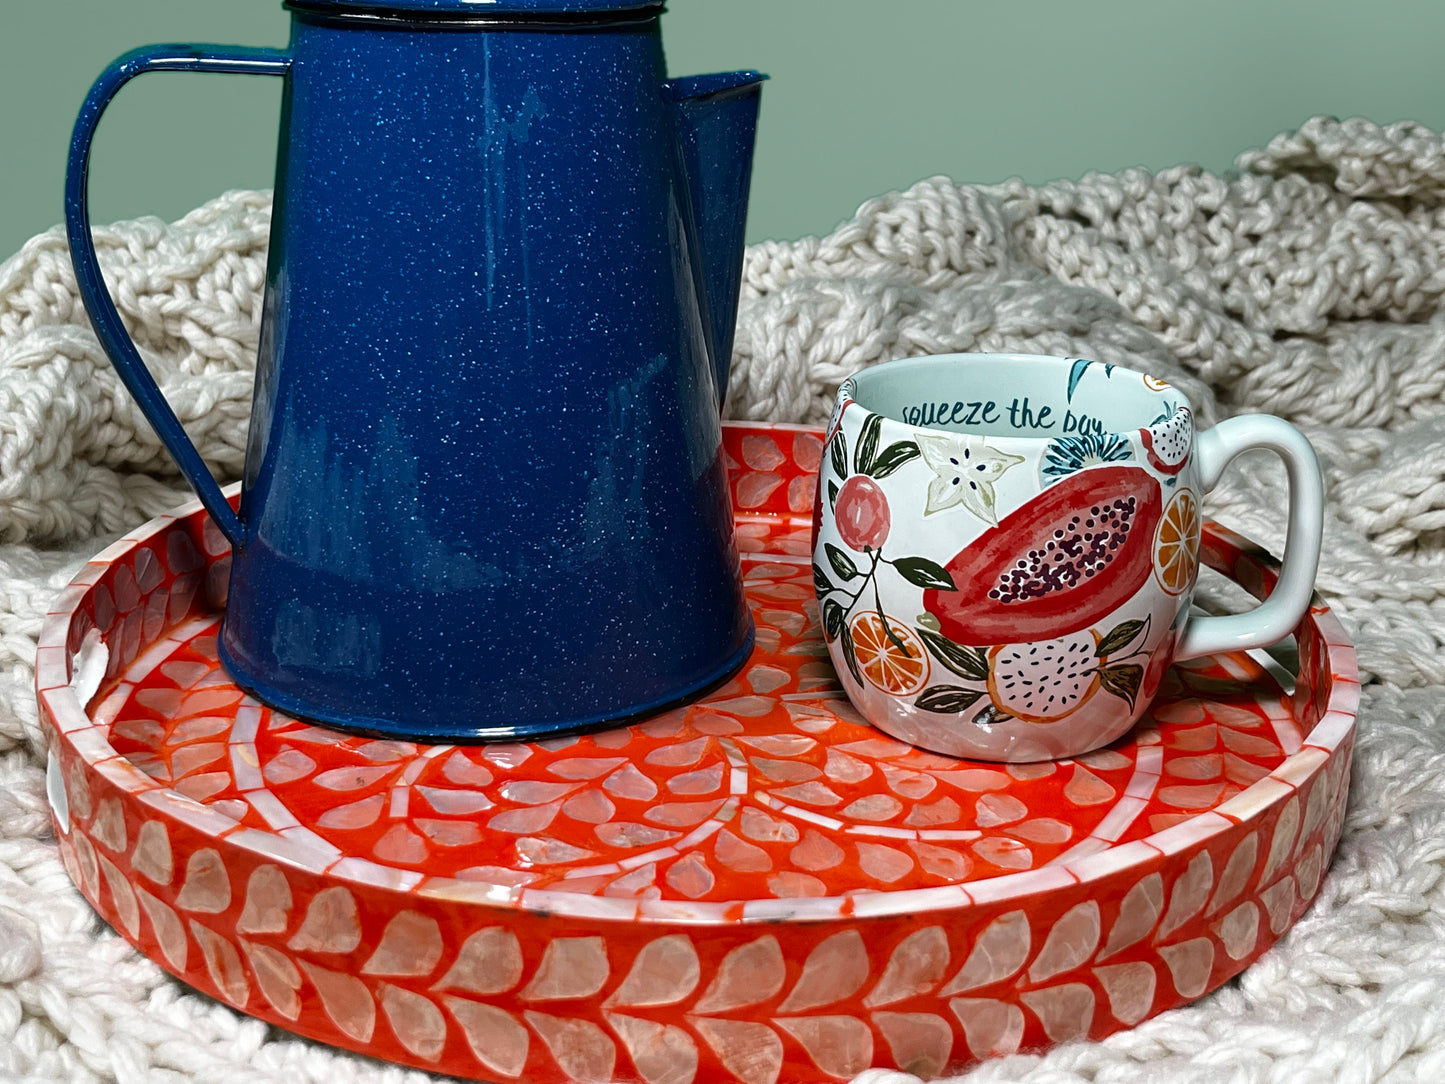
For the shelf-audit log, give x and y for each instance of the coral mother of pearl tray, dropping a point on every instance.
(754, 887)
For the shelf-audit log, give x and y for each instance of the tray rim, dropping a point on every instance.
(58, 695)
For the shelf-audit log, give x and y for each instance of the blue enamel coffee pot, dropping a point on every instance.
(484, 493)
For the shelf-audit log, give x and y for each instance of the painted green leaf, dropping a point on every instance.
(832, 619)
(841, 562)
(921, 572)
(832, 494)
(1123, 681)
(893, 457)
(868, 444)
(1077, 370)
(850, 654)
(821, 583)
(1120, 637)
(966, 662)
(947, 699)
(838, 454)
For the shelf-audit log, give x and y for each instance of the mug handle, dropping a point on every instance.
(109, 328)
(1278, 615)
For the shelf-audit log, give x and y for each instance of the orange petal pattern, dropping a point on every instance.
(756, 887)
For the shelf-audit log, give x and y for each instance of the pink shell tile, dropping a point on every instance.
(1135, 855)
(52, 667)
(1332, 729)
(1034, 883)
(62, 706)
(1188, 834)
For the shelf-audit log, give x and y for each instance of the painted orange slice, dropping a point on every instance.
(1176, 543)
(896, 664)
(1153, 383)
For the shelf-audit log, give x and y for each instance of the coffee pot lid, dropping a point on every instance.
(481, 11)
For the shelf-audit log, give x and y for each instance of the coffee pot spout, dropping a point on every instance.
(717, 120)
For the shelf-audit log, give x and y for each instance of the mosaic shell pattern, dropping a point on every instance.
(756, 887)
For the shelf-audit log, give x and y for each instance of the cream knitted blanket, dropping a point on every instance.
(1310, 285)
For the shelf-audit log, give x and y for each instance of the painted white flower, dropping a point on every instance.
(964, 469)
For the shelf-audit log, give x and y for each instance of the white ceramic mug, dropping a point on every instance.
(1007, 547)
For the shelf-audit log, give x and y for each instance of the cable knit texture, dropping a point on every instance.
(1308, 284)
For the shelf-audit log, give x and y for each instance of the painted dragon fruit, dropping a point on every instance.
(1046, 680)
(1168, 441)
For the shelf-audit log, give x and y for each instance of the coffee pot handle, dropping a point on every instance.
(1289, 601)
(98, 304)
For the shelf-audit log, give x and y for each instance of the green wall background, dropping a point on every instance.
(865, 97)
